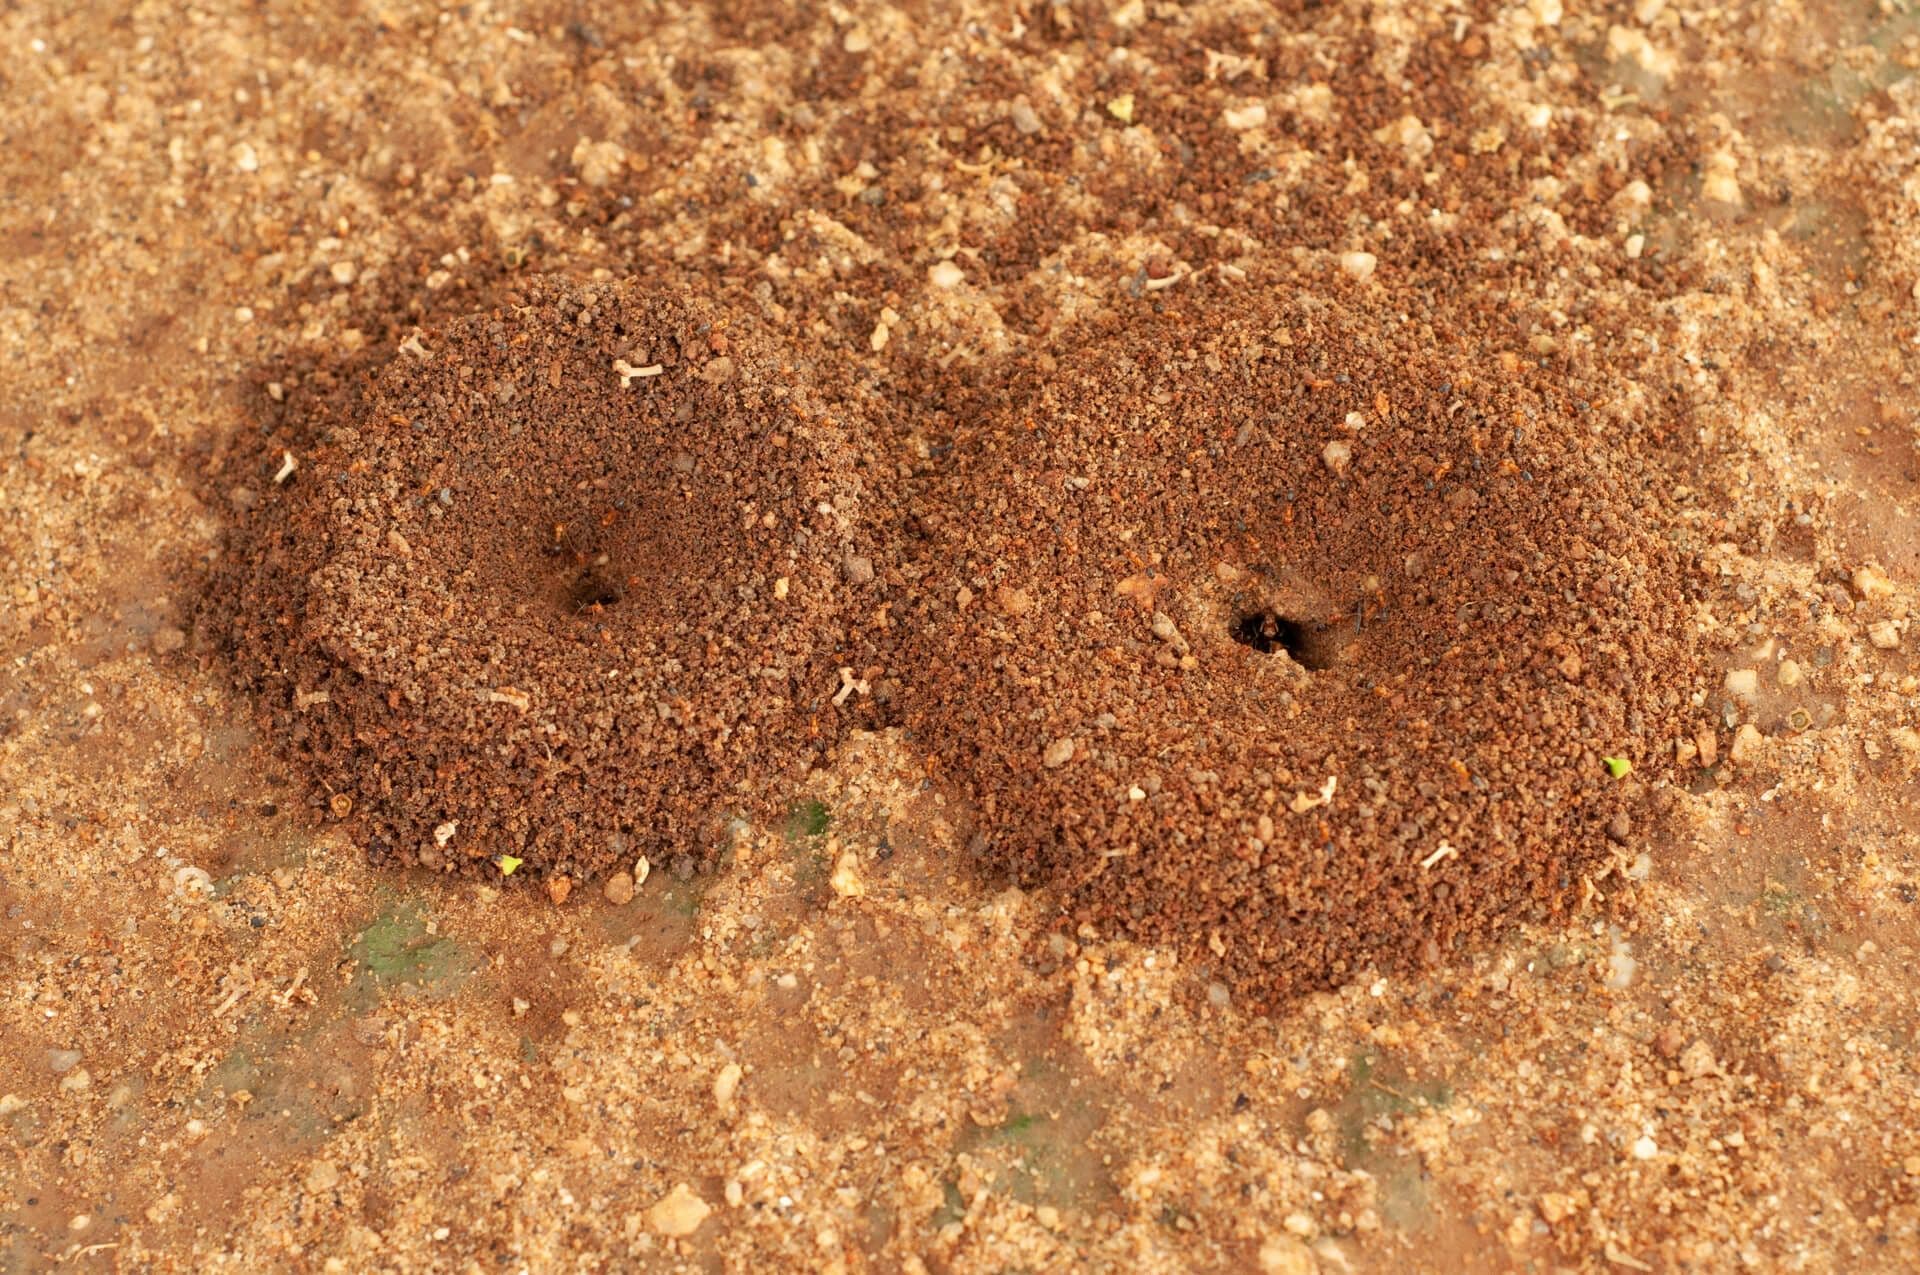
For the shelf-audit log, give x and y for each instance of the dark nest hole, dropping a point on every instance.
(591, 591)
(1269, 631)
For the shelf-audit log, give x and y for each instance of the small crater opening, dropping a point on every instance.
(1268, 631)
(591, 591)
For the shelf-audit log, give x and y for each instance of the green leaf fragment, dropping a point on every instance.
(1617, 766)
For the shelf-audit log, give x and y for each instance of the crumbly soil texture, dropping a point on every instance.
(560, 592)
(572, 585)
(1127, 528)
(1287, 638)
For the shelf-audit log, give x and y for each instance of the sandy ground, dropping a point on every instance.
(226, 1043)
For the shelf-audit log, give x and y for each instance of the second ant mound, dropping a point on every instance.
(1283, 640)
(565, 591)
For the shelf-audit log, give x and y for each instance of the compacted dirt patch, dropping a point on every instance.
(561, 592)
(1276, 637)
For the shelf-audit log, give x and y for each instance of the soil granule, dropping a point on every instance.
(1280, 638)
(563, 590)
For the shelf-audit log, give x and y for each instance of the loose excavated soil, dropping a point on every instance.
(1275, 636)
(565, 588)
(1681, 240)
(1268, 632)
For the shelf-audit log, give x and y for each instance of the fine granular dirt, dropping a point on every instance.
(566, 586)
(1270, 633)
(1279, 637)
(1681, 239)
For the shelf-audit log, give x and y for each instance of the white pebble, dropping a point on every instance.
(680, 1212)
(1871, 583)
(944, 274)
(1242, 118)
(1359, 265)
(726, 1084)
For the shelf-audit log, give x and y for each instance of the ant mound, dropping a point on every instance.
(1296, 648)
(566, 589)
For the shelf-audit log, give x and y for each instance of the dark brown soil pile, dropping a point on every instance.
(1282, 640)
(566, 589)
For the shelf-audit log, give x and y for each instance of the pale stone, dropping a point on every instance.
(1242, 118)
(679, 1212)
(726, 1085)
(1871, 583)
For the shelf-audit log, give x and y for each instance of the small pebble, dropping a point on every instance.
(1747, 742)
(1242, 118)
(1058, 753)
(1788, 674)
(680, 1212)
(1742, 683)
(1358, 265)
(1871, 583)
(167, 640)
(618, 889)
(725, 1085)
(858, 570)
(944, 274)
(846, 880)
(1884, 634)
(63, 1061)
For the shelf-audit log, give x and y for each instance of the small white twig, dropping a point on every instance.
(628, 371)
(848, 686)
(1444, 852)
(233, 998)
(287, 465)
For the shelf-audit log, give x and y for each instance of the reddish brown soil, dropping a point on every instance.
(1479, 603)
(521, 604)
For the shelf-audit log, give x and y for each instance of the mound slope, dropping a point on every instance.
(565, 589)
(1290, 642)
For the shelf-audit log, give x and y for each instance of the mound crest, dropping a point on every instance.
(565, 589)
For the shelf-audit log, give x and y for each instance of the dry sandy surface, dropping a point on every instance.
(228, 1042)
